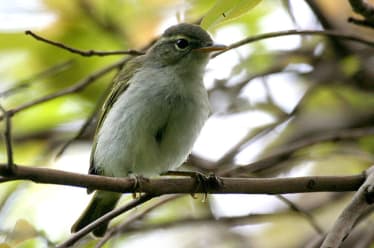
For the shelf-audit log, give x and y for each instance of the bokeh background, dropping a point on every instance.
(265, 96)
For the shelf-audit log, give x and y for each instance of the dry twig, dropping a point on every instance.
(84, 53)
(311, 220)
(136, 216)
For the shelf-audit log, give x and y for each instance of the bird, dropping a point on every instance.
(152, 116)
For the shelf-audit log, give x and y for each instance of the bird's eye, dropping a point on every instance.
(182, 44)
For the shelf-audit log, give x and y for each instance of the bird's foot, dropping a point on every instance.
(137, 185)
(205, 182)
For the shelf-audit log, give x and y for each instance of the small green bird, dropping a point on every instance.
(153, 115)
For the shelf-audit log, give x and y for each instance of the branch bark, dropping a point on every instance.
(187, 185)
(362, 202)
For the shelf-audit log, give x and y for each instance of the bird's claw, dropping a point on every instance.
(206, 182)
(137, 184)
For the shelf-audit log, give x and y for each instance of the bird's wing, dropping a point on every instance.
(121, 83)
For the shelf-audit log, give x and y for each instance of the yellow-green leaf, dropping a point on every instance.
(225, 10)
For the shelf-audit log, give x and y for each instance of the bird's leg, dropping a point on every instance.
(206, 182)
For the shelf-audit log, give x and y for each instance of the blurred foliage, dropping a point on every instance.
(307, 86)
(225, 11)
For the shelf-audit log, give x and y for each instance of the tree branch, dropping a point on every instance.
(87, 53)
(362, 202)
(331, 33)
(187, 185)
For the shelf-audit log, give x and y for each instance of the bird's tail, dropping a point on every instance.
(102, 202)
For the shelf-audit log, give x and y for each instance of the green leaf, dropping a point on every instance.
(225, 10)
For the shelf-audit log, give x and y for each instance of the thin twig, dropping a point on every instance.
(86, 53)
(230, 221)
(8, 142)
(81, 131)
(272, 70)
(24, 83)
(250, 137)
(285, 152)
(87, 122)
(136, 216)
(331, 33)
(246, 141)
(105, 218)
(268, 129)
(303, 213)
(80, 85)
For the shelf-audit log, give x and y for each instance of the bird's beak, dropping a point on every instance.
(212, 48)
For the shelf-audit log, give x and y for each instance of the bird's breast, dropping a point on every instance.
(152, 127)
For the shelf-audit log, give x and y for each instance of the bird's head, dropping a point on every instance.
(183, 44)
